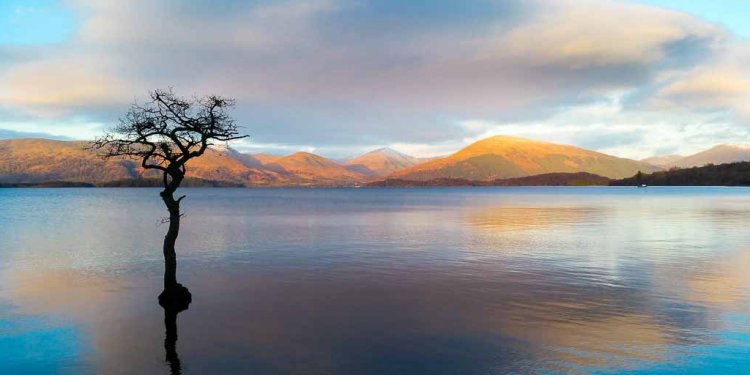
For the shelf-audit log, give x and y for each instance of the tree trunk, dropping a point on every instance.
(170, 256)
(174, 296)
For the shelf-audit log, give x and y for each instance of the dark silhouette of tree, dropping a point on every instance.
(164, 134)
(170, 339)
(730, 174)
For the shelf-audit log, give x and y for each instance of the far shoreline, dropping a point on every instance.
(722, 175)
(301, 187)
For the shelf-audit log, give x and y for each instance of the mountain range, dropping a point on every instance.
(43, 161)
(382, 162)
(501, 157)
(720, 154)
(33, 161)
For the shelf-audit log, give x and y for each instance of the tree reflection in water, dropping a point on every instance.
(170, 336)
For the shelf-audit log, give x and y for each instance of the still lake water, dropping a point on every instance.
(380, 281)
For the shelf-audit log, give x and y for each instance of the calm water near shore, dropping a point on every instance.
(380, 281)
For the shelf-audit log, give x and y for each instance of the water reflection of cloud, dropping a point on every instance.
(284, 320)
(420, 313)
(113, 314)
(619, 283)
(722, 282)
(41, 291)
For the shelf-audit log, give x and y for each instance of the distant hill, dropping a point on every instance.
(663, 161)
(503, 157)
(139, 182)
(266, 158)
(43, 160)
(316, 169)
(62, 163)
(39, 161)
(236, 168)
(720, 154)
(547, 179)
(382, 162)
(731, 174)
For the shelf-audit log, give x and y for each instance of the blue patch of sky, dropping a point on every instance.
(31, 346)
(732, 14)
(11, 134)
(34, 22)
(389, 17)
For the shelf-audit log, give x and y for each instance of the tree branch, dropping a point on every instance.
(168, 131)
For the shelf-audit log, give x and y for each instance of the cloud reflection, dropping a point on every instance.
(420, 282)
(346, 321)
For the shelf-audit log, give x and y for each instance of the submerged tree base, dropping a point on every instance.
(176, 298)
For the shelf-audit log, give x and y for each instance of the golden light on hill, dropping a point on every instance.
(506, 157)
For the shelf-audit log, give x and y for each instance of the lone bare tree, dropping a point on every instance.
(164, 134)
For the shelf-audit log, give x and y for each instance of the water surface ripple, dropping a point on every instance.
(380, 281)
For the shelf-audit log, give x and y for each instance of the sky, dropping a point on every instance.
(426, 77)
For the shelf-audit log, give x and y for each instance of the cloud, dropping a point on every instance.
(63, 82)
(22, 125)
(338, 74)
(712, 88)
(717, 87)
(609, 127)
(583, 34)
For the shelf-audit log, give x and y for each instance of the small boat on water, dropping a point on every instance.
(638, 179)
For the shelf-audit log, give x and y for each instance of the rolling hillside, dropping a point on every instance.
(382, 162)
(503, 157)
(33, 161)
(24, 161)
(665, 161)
(316, 169)
(266, 158)
(42, 160)
(720, 154)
